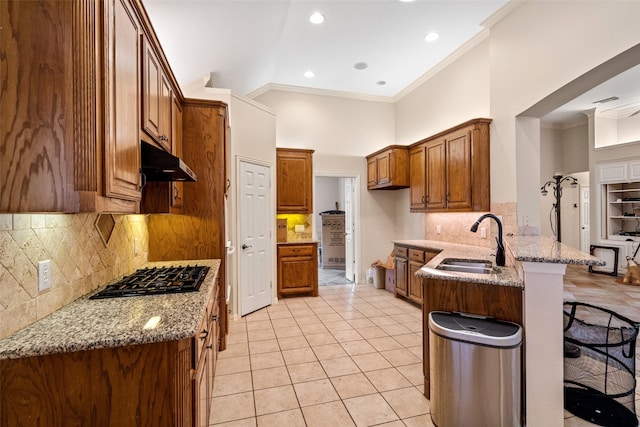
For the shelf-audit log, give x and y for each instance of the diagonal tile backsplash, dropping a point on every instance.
(80, 261)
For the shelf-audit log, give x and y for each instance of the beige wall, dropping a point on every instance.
(80, 262)
(536, 50)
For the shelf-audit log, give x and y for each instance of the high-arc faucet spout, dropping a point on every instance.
(500, 258)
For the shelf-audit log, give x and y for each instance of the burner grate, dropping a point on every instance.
(154, 281)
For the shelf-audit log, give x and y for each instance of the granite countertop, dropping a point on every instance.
(522, 248)
(297, 242)
(505, 276)
(87, 324)
(545, 249)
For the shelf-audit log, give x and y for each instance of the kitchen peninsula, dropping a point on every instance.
(146, 360)
(528, 291)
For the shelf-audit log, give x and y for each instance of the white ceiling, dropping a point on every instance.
(248, 44)
(625, 86)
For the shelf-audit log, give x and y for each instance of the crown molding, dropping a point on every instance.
(321, 92)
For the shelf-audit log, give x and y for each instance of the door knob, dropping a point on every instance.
(246, 246)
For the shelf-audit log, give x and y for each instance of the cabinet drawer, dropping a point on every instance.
(416, 255)
(295, 250)
(401, 252)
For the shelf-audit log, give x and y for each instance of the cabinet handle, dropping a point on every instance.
(163, 138)
(175, 191)
(204, 334)
(447, 198)
(209, 347)
(214, 318)
(143, 178)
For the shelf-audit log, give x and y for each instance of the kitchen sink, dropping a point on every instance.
(467, 266)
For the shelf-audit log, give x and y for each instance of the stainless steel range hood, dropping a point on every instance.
(159, 165)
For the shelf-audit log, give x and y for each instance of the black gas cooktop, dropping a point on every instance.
(154, 281)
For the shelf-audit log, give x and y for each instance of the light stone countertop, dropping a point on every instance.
(522, 248)
(87, 324)
(506, 276)
(297, 242)
(545, 249)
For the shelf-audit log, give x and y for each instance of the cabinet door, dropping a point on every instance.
(297, 269)
(415, 283)
(165, 113)
(176, 145)
(436, 175)
(150, 91)
(384, 168)
(401, 276)
(417, 178)
(612, 172)
(294, 181)
(372, 173)
(201, 392)
(156, 98)
(634, 171)
(122, 142)
(458, 158)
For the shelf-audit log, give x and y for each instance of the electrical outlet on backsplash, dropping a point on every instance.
(80, 261)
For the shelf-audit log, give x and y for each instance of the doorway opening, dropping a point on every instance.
(335, 204)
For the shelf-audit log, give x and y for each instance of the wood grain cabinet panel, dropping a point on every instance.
(36, 107)
(294, 177)
(408, 260)
(388, 169)
(156, 98)
(297, 269)
(450, 171)
(122, 147)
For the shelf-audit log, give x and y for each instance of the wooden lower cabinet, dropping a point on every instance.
(298, 269)
(501, 302)
(408, 260)
(159, 384)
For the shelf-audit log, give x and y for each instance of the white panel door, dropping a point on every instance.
(584, 219)
(254, 218)
(349, 246)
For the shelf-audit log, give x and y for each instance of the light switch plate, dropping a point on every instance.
(299, 228)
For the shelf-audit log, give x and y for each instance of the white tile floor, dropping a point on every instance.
(352, 356)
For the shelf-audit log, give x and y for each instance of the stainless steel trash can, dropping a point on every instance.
(475, 370)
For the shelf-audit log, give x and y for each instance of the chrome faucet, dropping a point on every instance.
(500, 249)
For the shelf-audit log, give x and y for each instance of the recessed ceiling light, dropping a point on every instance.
(431, 37)
(360, 65)
(316, 18)
(405, 1)
(382, 82)
(602, 101)
(309, 74)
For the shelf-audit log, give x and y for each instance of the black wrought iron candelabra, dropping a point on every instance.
(556, 185)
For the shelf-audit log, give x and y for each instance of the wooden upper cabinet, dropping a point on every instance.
(450, 170)
(122, 145)
(294, 176)
(177, 188)
(156, 98)
(435, 173)
(167, 197)
(458, 169)
(388, 169)
(417, 177)
(36, 108)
